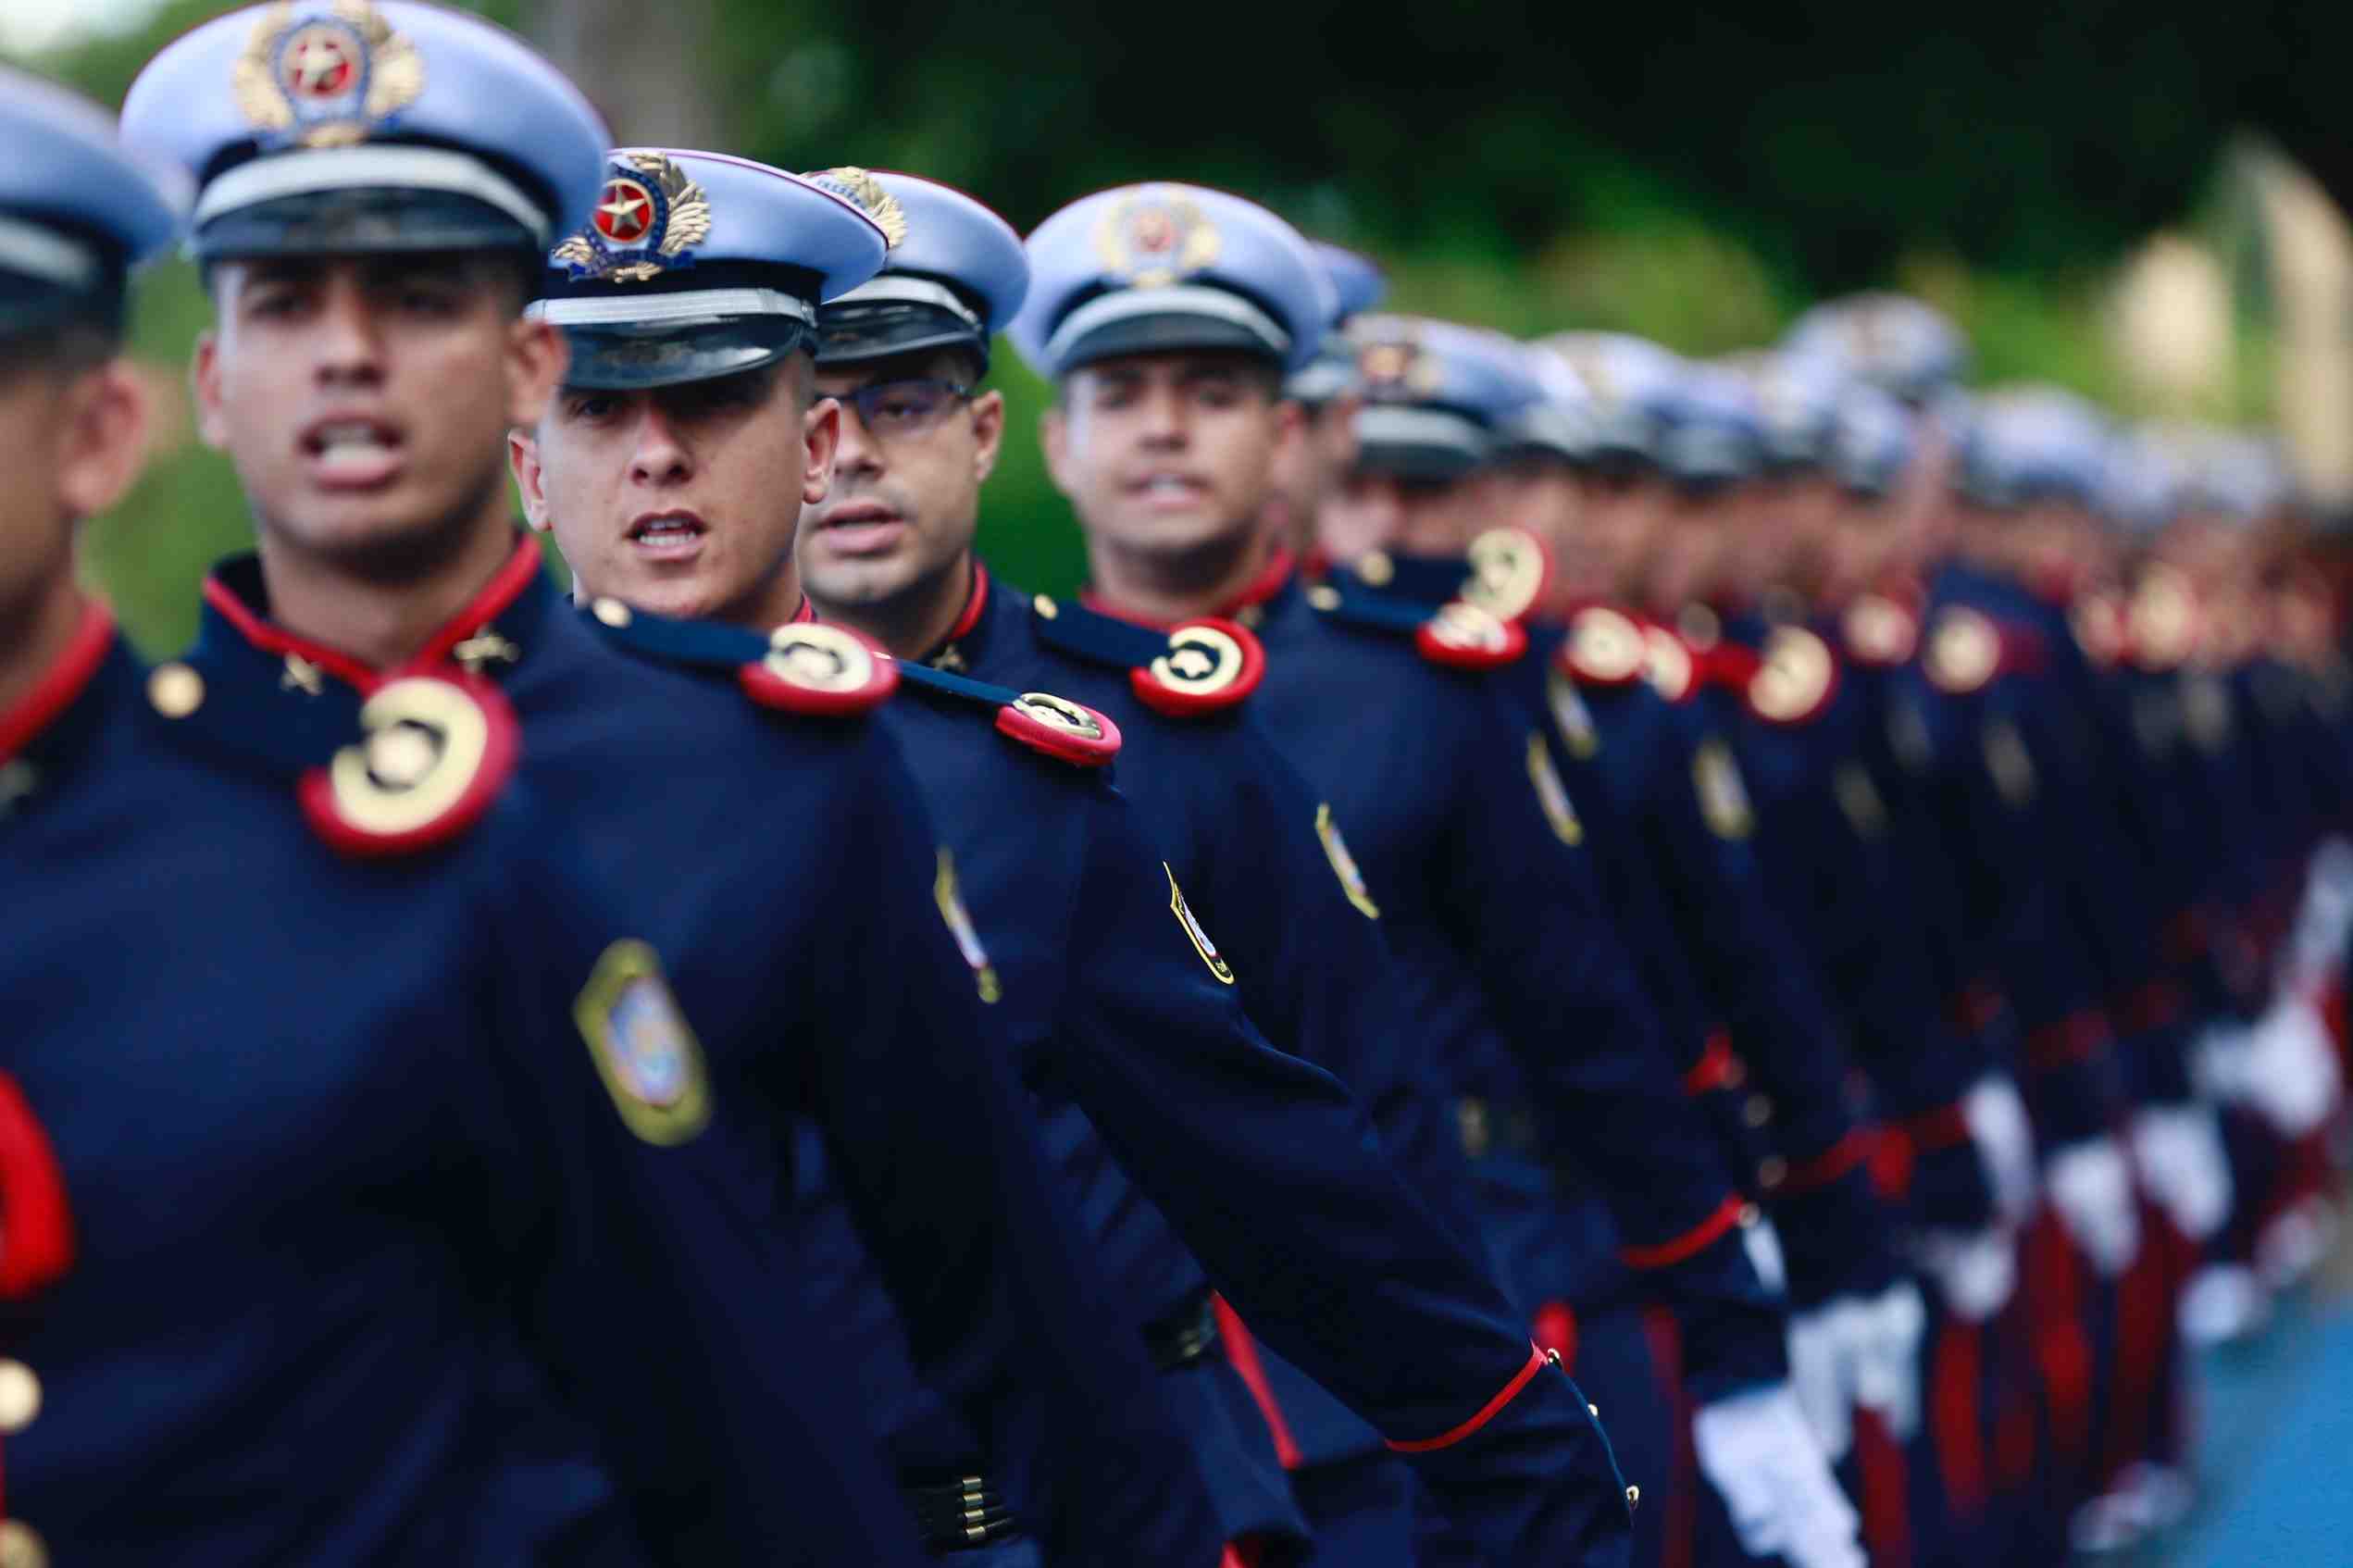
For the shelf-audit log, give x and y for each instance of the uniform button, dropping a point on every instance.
(19, 1397)
(1757, 1111)
(1633, 1498)
(176, 691)
(612, 612)
(1593, 1411)
(1772, 1171)
(19, 1548)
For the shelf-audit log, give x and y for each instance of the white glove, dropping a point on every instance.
(2178, 1149)
(1756, 1451)
(1888, 1329)
(2005, 1140)
(1822, 1373)
(2292, 1077)
(2091, 1190)
(2218, 1061)
(1976, 1270)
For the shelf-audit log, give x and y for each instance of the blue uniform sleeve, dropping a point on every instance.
(1273, 1176)
(653, 1311)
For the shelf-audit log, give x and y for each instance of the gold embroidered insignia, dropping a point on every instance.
(1608, 647)
(1571, 717)
(1201, 661)
(1724, 796)
(1397, 368)
(1551, 793)
(648, 218)
(1344, 865)
(1153, 237)
(2011, 766)
(643, 1047)
(325, 77)
(423, 744)
(945, 892)
(1667, 663)
(1880, 630)
(1859, 799)
(1794, 676)
(864, 191)
(1201, 944)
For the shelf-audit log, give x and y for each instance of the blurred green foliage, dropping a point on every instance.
(1670, 169)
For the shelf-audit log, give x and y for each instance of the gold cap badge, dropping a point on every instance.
(325, 77)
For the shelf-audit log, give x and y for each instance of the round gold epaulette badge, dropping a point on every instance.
(1963, 651)
(1210, 664)
(1510, 570)
(812, 667)
(432, 755)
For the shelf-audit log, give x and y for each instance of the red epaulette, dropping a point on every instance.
(1795, 677)
(1968, 649)
(434, 751)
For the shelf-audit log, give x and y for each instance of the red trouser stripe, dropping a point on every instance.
(1538, 1362)
(1242, 1351)
(1958, 1373)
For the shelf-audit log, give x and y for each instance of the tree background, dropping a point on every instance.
(1695, 173)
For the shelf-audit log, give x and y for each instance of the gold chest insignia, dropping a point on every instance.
(431, 756)
(1724, 797)
(643, 1047)
(1859, 799)
(1571, 717)
(326, 76)
(1396, 368)
(1201, 944)
(1551, 793)
(1509, 572)
(2011, 766)
(945, 892)
(648, 218)
(1344, 865)
(1153, 237)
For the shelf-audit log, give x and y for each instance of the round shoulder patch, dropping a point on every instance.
(812, 667)
(1604, 648)
(1794, 676)
(1511, 571)
(1879, 631)
(1964, 650)
(1667, 664)
(1061, 728)
(1465, 636)
(434, 751)
(1211, 664)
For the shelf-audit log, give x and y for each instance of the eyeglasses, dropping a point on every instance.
(889, 410)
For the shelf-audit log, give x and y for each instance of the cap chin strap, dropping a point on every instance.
(889, 290)
(310, 170)
(693, 307)
(41, 252)
(1177, 299)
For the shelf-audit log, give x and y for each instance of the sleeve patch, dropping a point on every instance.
(1344, 865)
(643, 1047)
(1551, 793)
(1201, 944)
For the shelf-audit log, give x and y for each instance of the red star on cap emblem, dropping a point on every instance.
(319, 65)
(623, 211)
(1154, 231)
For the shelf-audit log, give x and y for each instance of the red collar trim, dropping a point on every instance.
(976, 602)
(61, 682)
(505, 586)
(807, 613)
(1259, 588)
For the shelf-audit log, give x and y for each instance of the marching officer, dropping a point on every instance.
(1126, 1012)
(330, 1193)
(1264, 863)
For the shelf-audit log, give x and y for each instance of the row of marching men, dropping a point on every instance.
(1426, 1017)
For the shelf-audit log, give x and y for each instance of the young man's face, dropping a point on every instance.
(1371, 509)
(682, 500)
(1169, 454)
(906, 495)
(365, 401)
(1622, 505)
(73, 422)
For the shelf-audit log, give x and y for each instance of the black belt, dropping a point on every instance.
(959, 1515)
(1184, 1335)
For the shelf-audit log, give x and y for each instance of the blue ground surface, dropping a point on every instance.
(2275, 1448)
